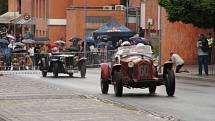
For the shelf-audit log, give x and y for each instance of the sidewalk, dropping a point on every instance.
(193, 73)
(25, 99)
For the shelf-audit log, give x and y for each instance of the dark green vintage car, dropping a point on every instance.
(63, 63)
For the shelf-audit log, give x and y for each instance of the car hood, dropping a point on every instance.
(136, 59)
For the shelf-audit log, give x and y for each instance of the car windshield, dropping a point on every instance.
(126, 50)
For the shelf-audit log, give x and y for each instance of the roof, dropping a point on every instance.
(8, 17)
(21, 20)
(113, 29)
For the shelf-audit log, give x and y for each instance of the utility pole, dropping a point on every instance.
(127, 9)
(85, 14)
(160, 36)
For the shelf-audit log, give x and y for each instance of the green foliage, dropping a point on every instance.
(200, 13)
(3, 6)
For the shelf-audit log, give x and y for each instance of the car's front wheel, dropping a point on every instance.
(118, 88)
(55, 70)
(170, 82)
(104, 86)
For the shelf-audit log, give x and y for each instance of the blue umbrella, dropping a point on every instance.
(4, 41)
(89, 39)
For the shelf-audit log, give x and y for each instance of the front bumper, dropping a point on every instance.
(143, 83)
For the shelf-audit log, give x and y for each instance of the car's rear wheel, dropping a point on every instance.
(55, 70)
(152, 89)
(118, 88)
(104, 86)
(44, 73)
(170, 82)
(83, 70)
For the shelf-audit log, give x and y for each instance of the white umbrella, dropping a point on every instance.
(59, 42)
(19, 44)
(28, 41)
(10, 36)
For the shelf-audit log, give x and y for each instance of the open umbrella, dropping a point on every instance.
(28, 41)
(89, 39)
(137, 40)
(75, 39)
(19, 44)
(59, 42)
(4, 41)
(10, 36)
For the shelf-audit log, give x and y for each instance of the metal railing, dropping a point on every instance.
(23, 61)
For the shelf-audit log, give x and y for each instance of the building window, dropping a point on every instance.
(98, 19)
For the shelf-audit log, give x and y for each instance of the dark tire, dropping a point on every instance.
(104, 86)
(118, 88)
(170, 82)
(152, 89)
(83, 70)
(44, 74)
(55, 70)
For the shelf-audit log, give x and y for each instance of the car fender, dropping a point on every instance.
(105, 71)
(82, 60)
(168, 65)
(116, 67)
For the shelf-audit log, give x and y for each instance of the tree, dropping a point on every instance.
(3, 6)
(200, 13)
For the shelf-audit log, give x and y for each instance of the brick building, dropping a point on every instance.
(62, 19)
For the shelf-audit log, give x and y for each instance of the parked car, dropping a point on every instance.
(133, 67)
(63, 63)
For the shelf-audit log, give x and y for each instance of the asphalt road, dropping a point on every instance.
(193, 100)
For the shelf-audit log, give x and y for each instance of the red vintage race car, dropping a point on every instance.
(133, 67)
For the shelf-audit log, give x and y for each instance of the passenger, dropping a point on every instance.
(120, 52)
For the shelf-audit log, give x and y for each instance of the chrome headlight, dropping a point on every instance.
(130, 64)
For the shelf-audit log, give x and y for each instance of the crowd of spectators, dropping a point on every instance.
(15, 54)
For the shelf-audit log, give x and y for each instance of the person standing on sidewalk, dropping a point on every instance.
(210, 44)
(179, 62)
(202, 46)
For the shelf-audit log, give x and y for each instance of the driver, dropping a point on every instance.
(120, 52)
(125, 43)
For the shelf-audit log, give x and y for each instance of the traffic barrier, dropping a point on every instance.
(23, 61)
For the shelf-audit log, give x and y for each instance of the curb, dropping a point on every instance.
(196, 78)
